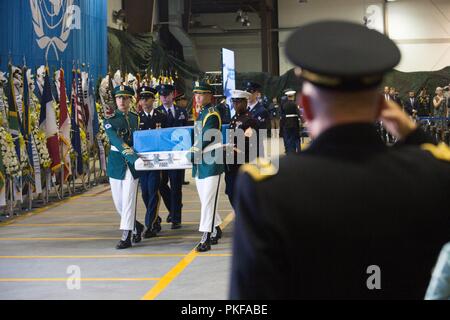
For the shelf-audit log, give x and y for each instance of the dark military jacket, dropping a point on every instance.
(179, 120)
(152, 121)
(290, 117)
(119, 129)
(260, 114)
(224, 111)
(209, 118)
(241, 121)
(321, 225)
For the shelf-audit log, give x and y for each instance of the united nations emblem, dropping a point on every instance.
(52, 16)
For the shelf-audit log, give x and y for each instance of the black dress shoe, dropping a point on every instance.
(150, 233)
(139, 229)
(204, 246)
(157, 227)
(124, 244)
(169, 219)
(219, 232)
(215, 239)
(137, 238)
(176, 225)
(185, 183)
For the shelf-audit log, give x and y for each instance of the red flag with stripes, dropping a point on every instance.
(47, 123)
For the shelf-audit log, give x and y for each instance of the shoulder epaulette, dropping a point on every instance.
(261, 170)
(441, 151)
(111, 116)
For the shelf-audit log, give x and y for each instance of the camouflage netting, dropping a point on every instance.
(139, 53)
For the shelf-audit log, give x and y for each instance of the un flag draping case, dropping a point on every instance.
(166, 149)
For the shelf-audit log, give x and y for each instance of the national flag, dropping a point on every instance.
(88, 108)
(64, 126)
(138, 87)
(81, 119)
(47, 123)
(13, 115)
(26, 123)
(75, 139)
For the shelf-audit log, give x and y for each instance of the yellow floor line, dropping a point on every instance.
(89, 238)
(176, 270)
(201, 255)
(81, 279)
(86, 224)
(109, 212)
(147, 255)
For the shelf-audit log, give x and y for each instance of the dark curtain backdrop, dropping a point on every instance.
(138, 52)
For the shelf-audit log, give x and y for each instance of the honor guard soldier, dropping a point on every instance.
(123, 177)
(223, 108)
(290, 123)
(242, 127)
(150, 119)
(257, 111)
(255, 107)
(176, 117)
(207, 158)
(346, 218)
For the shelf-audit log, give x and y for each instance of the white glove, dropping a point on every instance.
(139, 163)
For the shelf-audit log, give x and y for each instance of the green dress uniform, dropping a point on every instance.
(207, 158)
(123, 177)
(120, 128)
(209, 118)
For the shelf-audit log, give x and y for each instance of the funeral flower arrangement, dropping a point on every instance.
(8, 150)
(24, 163)
(102, 133)
(41, 141)
(84, 145)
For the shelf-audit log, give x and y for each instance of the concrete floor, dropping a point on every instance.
(38, 250)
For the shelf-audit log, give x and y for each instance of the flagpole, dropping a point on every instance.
(61, 152)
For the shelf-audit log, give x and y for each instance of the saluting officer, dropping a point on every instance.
(150, 119)
(172, 197)
(207, 158)
(242, 127)
(123, 177)
(346, 218)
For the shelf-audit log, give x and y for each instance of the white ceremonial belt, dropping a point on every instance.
(291, 116)
(113, 148)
